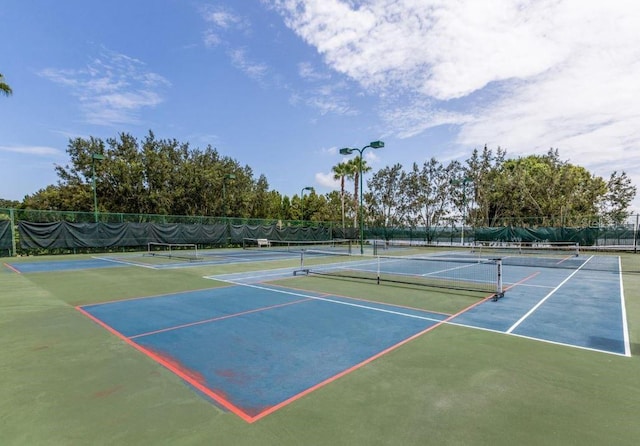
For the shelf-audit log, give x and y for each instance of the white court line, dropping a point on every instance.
(123, 262)
(522, 319)
(446, 270)
(366, 307)
(283, 272)
(531, 338)
(625, 329)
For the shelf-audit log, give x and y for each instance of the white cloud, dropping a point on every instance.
(439, 48)
(332, 151)
(326, 104)
(326, 180)
(240, 60)
(221, 20)
(523, 74)
(419, 115)
(309, 73)
(32, 150)
(112, 89)
(371, 157)
(211, 38)
(326, 99)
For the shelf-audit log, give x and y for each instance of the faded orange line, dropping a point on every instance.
(222, 401)
(12, 268)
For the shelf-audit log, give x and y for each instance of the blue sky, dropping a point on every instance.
(282, 85)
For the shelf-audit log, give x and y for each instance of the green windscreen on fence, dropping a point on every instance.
(5, 234)
(66, 235)
(583, 236)
(273, 232)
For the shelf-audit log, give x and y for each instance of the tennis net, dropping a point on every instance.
(296, 246)
(541, 254)
(469, 273)
(566, 255)
(542, 248)
(185, 251)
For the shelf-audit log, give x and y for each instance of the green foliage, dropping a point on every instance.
(154, 176)
(616, 202)
(7, 204)
(386, 201)
(536, 186)
(4, 87)
(168, 177)
(341, 171)
(491, 190)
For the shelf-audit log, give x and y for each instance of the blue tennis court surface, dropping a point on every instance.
(254, 348)
(60, 265)
(575, 307)
(207, 258)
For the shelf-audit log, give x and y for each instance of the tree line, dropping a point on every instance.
(169, 177)
(489, 189)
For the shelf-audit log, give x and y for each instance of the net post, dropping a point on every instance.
(378, 273)
(302, 269)
(499, 287)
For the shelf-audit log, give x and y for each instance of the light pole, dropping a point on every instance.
(229, 176)
(464, 183)
(95, 157)
(348, 151)
(309, 188)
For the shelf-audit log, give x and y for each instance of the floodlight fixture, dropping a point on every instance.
(349, 151)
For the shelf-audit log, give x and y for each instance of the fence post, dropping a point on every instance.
(635, 235)
(13, 232)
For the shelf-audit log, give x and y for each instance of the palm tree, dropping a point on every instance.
(340, 171)
(356, 168)
(4, 87)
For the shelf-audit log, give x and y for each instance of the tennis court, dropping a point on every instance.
(281, 342)
(275, 337)
(278, 344)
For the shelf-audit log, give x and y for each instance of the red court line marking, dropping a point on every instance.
(227, 404)
(251, 419)
(219, 318)
(12, 268)
(526, 279)
(564, 260)
(365, 362)
(490, 296)
(171, 367)
(343, 373)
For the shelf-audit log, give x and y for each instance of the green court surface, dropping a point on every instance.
(65, 380)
